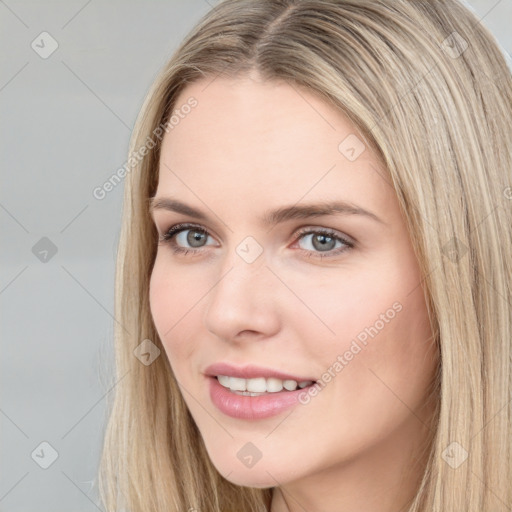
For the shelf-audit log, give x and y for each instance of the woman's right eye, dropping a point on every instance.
(181, 235)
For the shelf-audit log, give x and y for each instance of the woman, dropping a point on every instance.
(314, 275)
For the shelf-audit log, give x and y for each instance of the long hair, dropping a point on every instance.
(430, 91)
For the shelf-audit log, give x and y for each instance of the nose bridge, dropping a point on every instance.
(245, 269)
(241, 282)
(242, 278)
(241, 299)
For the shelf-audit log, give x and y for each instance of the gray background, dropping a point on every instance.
(65, 126)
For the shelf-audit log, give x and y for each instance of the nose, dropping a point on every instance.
(243, 303)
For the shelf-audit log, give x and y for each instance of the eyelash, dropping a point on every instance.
(169, 236)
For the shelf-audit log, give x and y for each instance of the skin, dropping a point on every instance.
(250, 146)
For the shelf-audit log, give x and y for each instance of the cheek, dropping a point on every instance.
(172, 302)
(160, 299)
(375, 320)
(348, 305)
(378, 363)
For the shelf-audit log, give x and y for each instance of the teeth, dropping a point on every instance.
(254, 387)
(290, 385)
(275, 385)
(237, 384)
(224, 380)
(258, 385)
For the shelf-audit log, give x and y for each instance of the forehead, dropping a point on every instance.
(267, 141)
(256, 118)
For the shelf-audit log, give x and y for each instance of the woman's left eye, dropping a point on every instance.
(319, 240)
(325, 241)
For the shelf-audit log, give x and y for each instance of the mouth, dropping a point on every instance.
(254, 392)
(255, 398)
(260, 385)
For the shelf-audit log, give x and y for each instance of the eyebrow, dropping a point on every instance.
(271, 217)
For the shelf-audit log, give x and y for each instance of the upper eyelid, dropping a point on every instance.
(185, 225)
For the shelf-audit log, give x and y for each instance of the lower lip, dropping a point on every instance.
(252, 407)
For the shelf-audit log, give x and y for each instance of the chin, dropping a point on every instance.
(259, 476)
(262, 480)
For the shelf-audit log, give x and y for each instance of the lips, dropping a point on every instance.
(257, 406)
(252, 372)
(260, 407)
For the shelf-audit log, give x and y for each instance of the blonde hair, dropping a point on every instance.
(430, 91)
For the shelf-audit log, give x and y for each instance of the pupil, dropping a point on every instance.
(321, 241)
(194, 238)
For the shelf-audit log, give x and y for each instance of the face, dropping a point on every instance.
(261, 278)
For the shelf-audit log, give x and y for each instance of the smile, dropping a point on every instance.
(244, 404)
(259, 385)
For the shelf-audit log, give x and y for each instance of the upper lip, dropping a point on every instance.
(250, 372)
